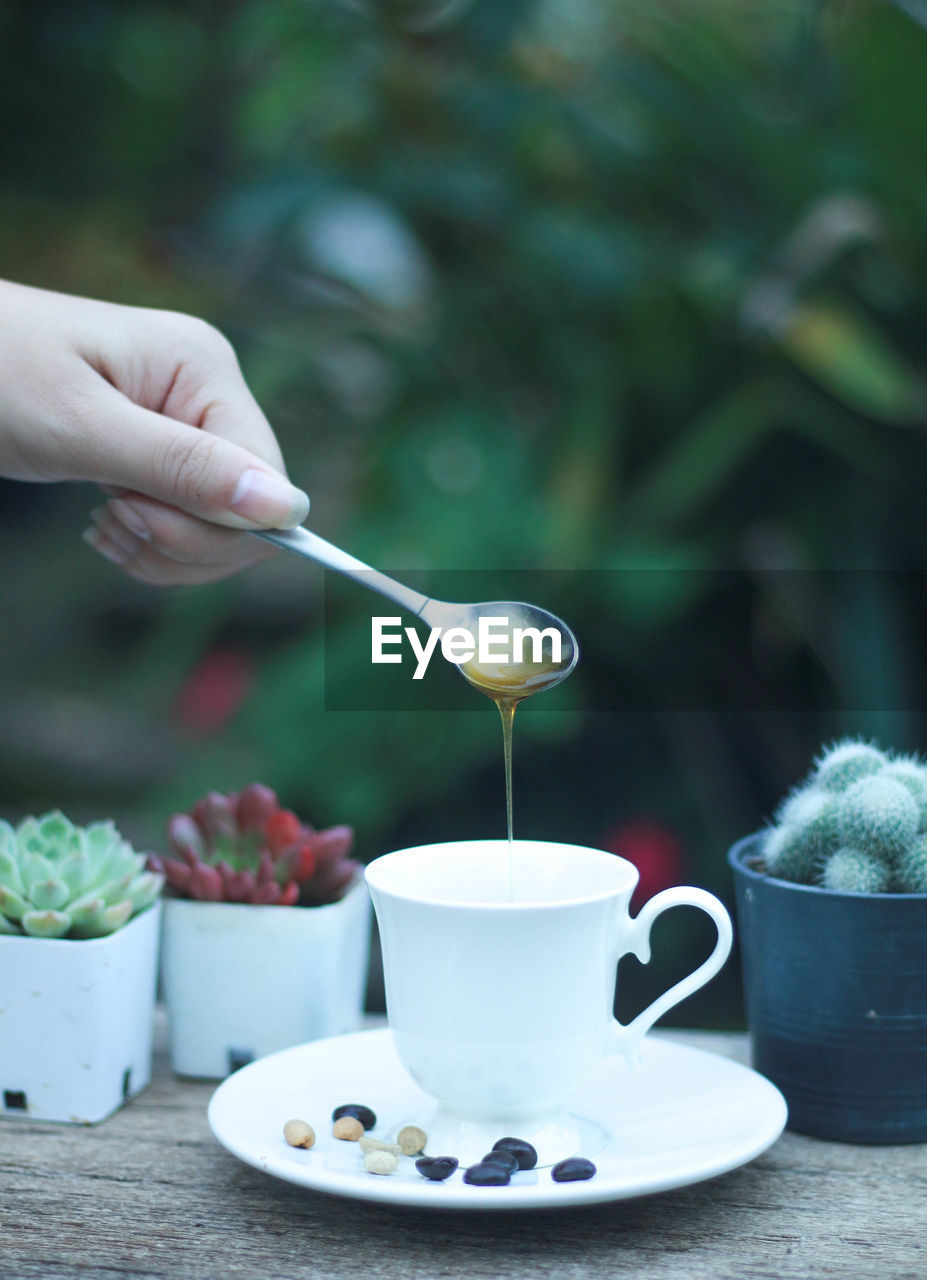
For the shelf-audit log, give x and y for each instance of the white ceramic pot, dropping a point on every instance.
(76, 1021)
(242, 981)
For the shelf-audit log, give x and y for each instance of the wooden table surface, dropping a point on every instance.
(150, 1193)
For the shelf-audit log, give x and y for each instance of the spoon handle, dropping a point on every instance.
(303, 543)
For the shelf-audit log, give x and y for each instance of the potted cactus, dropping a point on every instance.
(266, 932)
(832, 911)
(78, 962)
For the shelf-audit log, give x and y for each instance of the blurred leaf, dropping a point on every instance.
(706, 458)
(848, 356)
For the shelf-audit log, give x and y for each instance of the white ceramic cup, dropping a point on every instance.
(500, 979)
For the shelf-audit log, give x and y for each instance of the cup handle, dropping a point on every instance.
(627, 1038)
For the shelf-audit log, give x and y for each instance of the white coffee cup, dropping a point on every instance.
(500, 979)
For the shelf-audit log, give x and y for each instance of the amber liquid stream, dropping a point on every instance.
(508, 684)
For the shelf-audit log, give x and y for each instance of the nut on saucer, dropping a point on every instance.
(299, 1134)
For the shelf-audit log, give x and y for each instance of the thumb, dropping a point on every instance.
(189, 468)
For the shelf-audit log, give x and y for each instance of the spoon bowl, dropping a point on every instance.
(539, 649)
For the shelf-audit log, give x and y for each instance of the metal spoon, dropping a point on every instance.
(516, 679)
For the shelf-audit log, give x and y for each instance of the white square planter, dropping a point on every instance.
(76, 1021)
(242, 981)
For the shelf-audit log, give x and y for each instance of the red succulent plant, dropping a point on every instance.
(242, 847)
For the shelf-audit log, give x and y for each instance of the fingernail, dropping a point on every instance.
(129, 517)
(115, 532)
(105, 547)
(269, 500)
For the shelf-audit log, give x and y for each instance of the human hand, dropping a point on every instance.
(152, 406)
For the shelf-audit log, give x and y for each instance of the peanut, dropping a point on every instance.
(347, 1129)
(380, 1162)
(299, 1134)
(374, 1144)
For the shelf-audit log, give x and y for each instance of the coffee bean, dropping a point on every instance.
(356, 1109)
(575, 1169)
(523, 1151)
(504, 1158)
(436, 1168)
(487, 1175)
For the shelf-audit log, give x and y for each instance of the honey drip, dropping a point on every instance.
(507, 712)
(508, 684)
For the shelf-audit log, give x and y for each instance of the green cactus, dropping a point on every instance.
(911, 871)
(807, 834)
(58, 880)
(855, 871)
(857, 824)
(913, 774)
(787, 856)
(880, 815)
(846, 762)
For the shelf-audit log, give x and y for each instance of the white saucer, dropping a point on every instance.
(684, 1116)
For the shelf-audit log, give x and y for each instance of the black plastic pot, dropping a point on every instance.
(836, 991)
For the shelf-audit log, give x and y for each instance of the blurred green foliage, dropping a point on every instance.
(551, 283)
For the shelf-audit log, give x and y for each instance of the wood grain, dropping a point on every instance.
(149, 1193)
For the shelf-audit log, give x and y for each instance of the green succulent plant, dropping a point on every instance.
(857, 824)
(58, 880)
